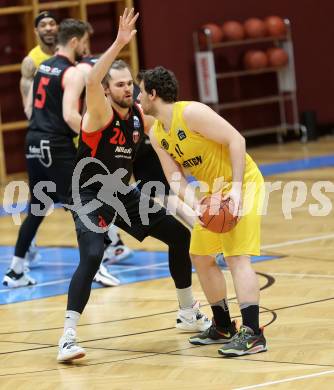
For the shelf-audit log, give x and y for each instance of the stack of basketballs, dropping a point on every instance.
(252, 28)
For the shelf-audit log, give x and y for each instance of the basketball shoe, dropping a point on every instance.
(115, 250)
(245, 342)
(192, 319)
(214, 335)
(104, 277)
(13, 280)
(32, 256)
(68, 347)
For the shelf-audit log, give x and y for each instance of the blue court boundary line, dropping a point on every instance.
(57, 265)
(297, 165)
(266, 169)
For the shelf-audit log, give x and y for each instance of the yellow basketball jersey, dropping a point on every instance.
(38, 56)
(200, 157)
(209, 162)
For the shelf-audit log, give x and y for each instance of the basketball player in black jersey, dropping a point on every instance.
(50, 152)
(111, 131)
(115, 249)
(55, 120)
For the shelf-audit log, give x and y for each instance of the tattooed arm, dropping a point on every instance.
(28, 70)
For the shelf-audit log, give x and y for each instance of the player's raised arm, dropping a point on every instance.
(98, 108)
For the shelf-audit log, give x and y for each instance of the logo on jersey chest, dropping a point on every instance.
(49, 70)
(164, 144)
(136, 122)
(122, 149)
(135, 136)
(181, 134)
(192, 162)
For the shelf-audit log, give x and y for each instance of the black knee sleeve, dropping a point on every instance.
(91, 246)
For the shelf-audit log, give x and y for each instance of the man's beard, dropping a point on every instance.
(78, 56)
(122, 103)
(50, 43)
(149, 111)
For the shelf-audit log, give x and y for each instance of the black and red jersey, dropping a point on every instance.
(90, 60)
(47, 113)
(115, 145)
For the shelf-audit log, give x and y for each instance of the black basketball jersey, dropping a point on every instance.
(115, 146)
(90, 60)
(47, 114)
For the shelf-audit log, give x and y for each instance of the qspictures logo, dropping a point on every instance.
(316, 199)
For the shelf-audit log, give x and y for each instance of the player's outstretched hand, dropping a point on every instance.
(126, 29)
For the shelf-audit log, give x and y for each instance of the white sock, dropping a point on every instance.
(17, 264)
(185, 297)
(71, 320)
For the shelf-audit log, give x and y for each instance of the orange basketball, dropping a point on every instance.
(255, 28)
(218, 219)
(233, 31)
(214, 30)
(255, 59)
(275, 26)
(277, 57)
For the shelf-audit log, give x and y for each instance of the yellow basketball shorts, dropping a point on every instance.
(244, 238)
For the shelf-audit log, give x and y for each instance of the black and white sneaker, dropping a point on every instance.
(192, 319)
(104, 277)
(68, 347)
(13, 280)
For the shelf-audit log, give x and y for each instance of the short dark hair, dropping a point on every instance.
(118, 65)
(72, 28)
(162, 80)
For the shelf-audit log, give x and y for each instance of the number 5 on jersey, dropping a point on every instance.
(41, 93)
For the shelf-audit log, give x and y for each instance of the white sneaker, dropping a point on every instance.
(104, 277)
(192, 320)
(114, 253)
(68, 347)
(13, 280)
(32, 257)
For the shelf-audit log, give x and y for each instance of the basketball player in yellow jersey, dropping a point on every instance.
(190, 136)
(46, 29)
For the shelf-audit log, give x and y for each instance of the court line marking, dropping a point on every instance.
(150, 266)
(300, 241)
(41, 285)
(296, 378)
(270, 246)
(119, 272)
(302, 275)
(74, 366)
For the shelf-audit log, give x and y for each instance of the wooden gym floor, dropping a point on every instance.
(129, 333)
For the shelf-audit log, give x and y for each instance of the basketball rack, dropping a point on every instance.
(207, 79)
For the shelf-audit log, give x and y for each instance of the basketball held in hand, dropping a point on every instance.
(217, 217)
